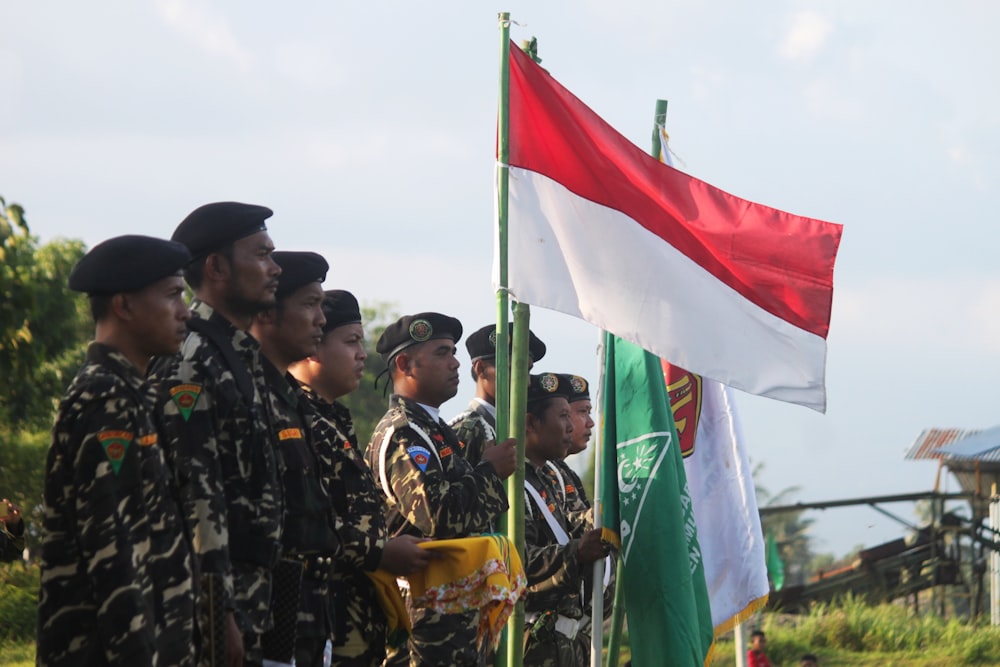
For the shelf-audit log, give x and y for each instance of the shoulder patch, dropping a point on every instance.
(290, 434)
(115, 444)
(420, 455)
(186, 397)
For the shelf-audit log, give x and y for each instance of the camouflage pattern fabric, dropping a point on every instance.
(359, 632)
(557, 582)
(474, 427)
(116, 570)
(223, 454)
(573, 492)
(580, 518)
(309, 517)
(432, 491)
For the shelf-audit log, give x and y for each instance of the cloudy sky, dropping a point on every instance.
(369, 128)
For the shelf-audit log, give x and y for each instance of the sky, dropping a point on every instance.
(369, 128)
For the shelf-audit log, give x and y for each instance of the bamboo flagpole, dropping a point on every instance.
(511, 392)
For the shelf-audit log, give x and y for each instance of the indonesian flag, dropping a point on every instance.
(731, 290)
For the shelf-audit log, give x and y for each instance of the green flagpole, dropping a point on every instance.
(515, 483)
(503, 155)
(509, 650)
(618, 610)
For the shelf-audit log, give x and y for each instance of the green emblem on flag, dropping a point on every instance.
(115, 444)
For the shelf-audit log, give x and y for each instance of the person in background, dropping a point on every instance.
(756, 656)
(476, 427)
(809, 660)
(11, 532)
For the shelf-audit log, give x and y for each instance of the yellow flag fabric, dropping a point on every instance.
(391, 601)
(482, 573)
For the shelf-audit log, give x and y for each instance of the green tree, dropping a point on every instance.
(790, 530)
(44, 329)
(43, 326)
(368, 403)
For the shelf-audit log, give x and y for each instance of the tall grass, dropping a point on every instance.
(850, 626)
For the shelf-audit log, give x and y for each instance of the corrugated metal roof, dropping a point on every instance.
(982, 446)
(927, 443)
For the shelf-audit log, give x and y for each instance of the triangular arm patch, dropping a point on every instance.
(186, 397)
(115, 445)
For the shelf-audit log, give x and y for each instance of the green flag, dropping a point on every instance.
(775, 567)
(646, 501)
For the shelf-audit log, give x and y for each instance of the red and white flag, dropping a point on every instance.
(731, 290)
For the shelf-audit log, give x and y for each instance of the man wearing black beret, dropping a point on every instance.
(574, 495)
(560, 548)
(217, 422)
(290, 332)
(116, 570)
(476, 427)
(332, 372)
(432, 491)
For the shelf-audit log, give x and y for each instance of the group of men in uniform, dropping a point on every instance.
(206, 497)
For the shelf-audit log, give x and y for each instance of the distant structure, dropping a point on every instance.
(950, 551)
(973, 457)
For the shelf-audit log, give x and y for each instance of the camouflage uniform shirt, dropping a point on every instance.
(433, 492)
(557, 583)
(116, 577)
(359, 623)
(475, 427)
(224, 459)
(309, 517)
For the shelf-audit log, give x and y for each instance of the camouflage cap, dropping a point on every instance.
(298, 268)
(547, 385)
(482, 343)
(412, 329)
(340, 308)
(578, 386)
(126, 264)
(211, 227)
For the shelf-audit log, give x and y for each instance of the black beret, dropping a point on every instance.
(412, 329)
(547, 385)
(212, 227)
(579, 388)
(482, 343)
(126, 264)
(340, 308)
(298, 269)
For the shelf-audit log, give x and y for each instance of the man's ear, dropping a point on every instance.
(401, 363)
(121, 306)
(266, 316)
(477, 368)
(217, 267)
(530, 422)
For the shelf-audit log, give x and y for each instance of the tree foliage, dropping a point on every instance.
(368, 403)
(44, 329)
(790, 530)
(43, 326)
